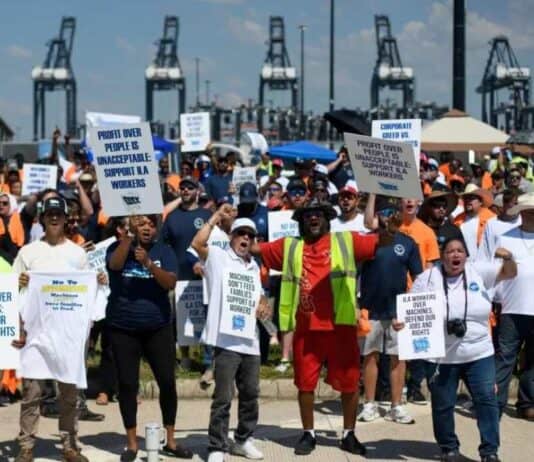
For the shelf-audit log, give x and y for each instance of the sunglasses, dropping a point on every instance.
(244, 232)
(312, 213)
(188, 187)
(515, 177)
(4, 203)
(389, 212)
(439, 205)
(275, 189)
(297, 192)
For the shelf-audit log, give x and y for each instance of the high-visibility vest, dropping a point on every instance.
(342, 280)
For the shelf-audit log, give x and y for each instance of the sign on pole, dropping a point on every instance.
(241, 295)
(38, 177)
(97, 257)
(9, 321)
(126, 169)
(383, 167)
(190, 312)
(402, 130)
(423, 336)
(195, 131)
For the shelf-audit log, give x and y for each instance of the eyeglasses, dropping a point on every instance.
(244, 232)
(297, 192)
(515, 177)
(389, 212)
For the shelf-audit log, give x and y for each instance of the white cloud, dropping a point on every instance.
(247, 30)
(123, 44)
(231, 99)
(18, 51)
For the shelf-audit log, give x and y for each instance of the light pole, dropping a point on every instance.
(331, 131)
(197, 60)
(207, 82)
(302, 28)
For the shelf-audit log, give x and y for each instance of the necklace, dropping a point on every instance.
(525, 238)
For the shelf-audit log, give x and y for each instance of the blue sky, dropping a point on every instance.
(114, 43)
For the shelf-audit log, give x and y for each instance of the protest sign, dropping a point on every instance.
(423, 336)
(241, 295)
(9, 321)
(38, 177)
(195, 131)
(97, 257)
(190, 311)
(126, 169)
(240, 176)
(282, 225)
(383, 167)
(402, 130)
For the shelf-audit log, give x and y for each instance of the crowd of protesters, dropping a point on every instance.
(333, 301)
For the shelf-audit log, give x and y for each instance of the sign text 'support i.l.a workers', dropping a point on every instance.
(423, 336)
(402, 130)
(383, 167)
(126, 169)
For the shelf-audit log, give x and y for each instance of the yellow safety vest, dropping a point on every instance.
(342, 280)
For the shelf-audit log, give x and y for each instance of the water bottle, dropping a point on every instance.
(155, 439)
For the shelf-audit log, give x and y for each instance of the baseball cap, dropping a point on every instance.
(248, 194)
(277, 163)
(243, 223)
(386, 202)
(12, 166)
(204, 158)
(296, 183)
(55, 203)
(189, 180)
(348, 189)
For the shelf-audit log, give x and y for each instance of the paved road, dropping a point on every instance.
(278, 430)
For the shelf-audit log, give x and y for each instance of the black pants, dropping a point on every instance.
(244, 370)
(158, 348)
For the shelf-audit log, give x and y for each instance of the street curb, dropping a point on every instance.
(278, 389)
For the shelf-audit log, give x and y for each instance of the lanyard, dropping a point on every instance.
(446, 289)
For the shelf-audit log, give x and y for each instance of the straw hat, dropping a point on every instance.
(473, 190)
(524, 202)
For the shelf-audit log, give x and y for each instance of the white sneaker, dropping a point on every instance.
(283, 366)
(399, 414)
(216, 456)
(247, 449)
(369, 412)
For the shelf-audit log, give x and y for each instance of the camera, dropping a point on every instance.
(456, 327)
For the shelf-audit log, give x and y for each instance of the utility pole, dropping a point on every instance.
(207, 82)
(302, 28)
(458, 57)
(331, 131)
(197, 60)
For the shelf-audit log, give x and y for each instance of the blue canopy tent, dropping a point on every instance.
(303, 150)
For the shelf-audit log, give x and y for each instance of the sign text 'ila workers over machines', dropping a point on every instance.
(126, 169)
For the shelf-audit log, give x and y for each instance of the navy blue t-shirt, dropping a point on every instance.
(137, 301)
(178, 231)
(385, 276)
(217, 186)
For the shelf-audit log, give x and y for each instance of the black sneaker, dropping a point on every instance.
(90, 416)
(450, 456)
(490, 458)
(305, 445)
(128, 455)
(351, 444)
(416, 397)
(179, 452)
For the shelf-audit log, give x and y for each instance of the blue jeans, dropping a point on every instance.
(443, 383)
(514, 330)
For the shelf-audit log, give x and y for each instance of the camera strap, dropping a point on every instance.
(446, 289)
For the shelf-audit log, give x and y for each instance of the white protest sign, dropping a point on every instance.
(37, 177)
(97, 257)
(282, 225)
(9, 321)
(190, 312)
(240, 176)
(195, 131)
(423, 336)
(126, 169)
(402, 130)
(384, 167)
(241, 295)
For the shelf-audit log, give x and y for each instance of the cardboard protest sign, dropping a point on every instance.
(423, 336)
(126, 169)
(97, 257)
(282, 225)
(9, 321)
(402, 130)
(190, 312)
(195, 131)
(241, 295)
(240, 176)
(383, 167)
(38, 177)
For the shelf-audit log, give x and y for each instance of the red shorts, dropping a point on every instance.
(338, 348)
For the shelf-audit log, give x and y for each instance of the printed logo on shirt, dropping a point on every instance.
(399, 250)
(474, 287)
(238, 322)
(133, 269)
(198, 223)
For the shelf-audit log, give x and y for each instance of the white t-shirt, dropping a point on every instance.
(219, 260)
(356, 224)
(494, 228)
(469, 230)
(516, 293)
(41, 256)
(480, 278)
